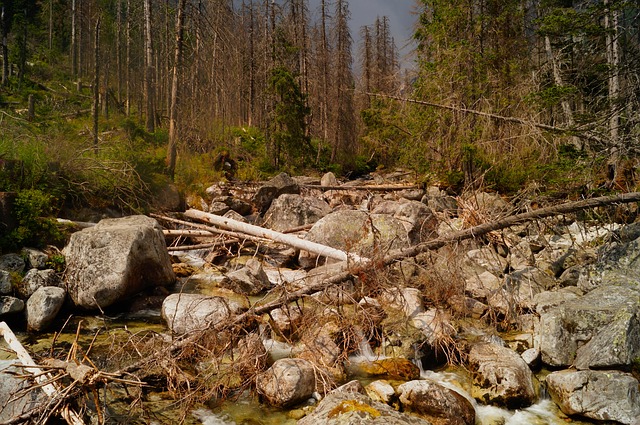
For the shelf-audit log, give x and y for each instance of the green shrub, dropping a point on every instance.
(36, 227)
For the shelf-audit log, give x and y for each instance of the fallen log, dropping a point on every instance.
(345, 271)
(371, 188)
(261, 232)
(41, 377)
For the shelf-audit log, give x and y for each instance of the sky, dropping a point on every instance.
(401, 14)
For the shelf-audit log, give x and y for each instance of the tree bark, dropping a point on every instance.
(173, 114)
(261, 232)
(148, 76)
(96, 84)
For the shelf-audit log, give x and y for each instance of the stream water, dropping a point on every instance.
(245, 409)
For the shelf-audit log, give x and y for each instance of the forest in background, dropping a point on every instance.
(104, 101)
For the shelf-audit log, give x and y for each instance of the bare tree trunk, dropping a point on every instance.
(128, 62)
(325, 80)
(613, 60)
(118, 50)
(50, 24)
(173, 115)
(96, 84)
(557, 77)
(148, 79)
(74, 40)
(5, 46)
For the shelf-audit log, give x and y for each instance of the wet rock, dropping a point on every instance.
(440, 405)
(600, 329)
(279, 185)
(35, 259)
(5, 282)
(356, 232)
(601, 395)
(342, 407)
(188, 312)
(289, 211)
(391, 367)
(12, 263)
(9, 305)
(15, 400)
(43, 307)
(249, 280)
(381, 390)
(287, 382)
(500, 376)
(35, 279)
(115, 259)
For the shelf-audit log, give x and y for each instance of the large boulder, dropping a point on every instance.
(190, 312)
(43, 307)
(279, 185)
(290, 210)
(287, 382)
(500, 376)
(618, 264)
(416, 217)
(115, 259)
(350, 407)
(440, 405)
(356, 232)
(600, 329)
(601, 395)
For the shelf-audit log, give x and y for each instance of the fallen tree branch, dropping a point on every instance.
(42, 378)
(372, 188)
(261, 232)
(586, 134)
(343, 272)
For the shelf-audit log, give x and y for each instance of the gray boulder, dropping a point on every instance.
(329, 179)
(289, 211)
(436, 403)
(287, 382)
(356, 232)
(190, 312)
(279, 185)
(600, 329)
(249, 280)
(115, 259)
(5, 282)
(9, 305)
(43, 307)
(500, 376)
(15, 399)
(350, 407)
(601, 395)
(519, 289)
(35, 279)
(415, 216)
(35, 259)
(12, 263)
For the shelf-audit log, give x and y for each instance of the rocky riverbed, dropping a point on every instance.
(546, 311)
